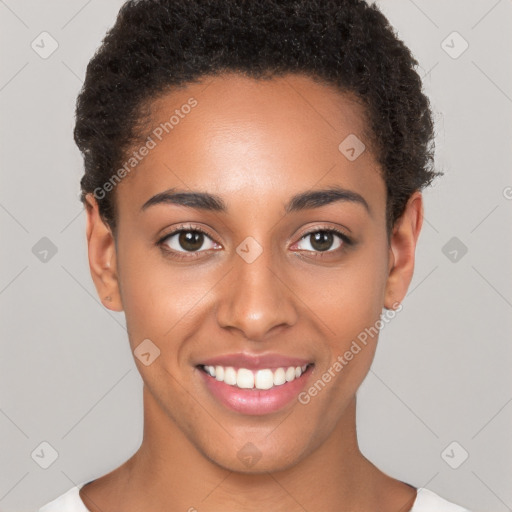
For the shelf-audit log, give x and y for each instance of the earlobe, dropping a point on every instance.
(102, 256)
(402, 251)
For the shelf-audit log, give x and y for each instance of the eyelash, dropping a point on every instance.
(181, 255)
(191, 255)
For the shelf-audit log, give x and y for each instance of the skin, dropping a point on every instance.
(254, 144)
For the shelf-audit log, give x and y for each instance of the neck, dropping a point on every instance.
(169, 471)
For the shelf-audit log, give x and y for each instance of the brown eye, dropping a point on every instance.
(188, 240)
(191, 240)
(324, 240)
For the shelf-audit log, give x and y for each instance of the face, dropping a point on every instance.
(281, 259)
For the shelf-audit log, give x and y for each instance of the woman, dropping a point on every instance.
(253, 177)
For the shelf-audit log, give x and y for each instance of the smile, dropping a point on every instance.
(265, 378)
(254, 392)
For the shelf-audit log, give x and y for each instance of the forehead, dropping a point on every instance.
(255, 140)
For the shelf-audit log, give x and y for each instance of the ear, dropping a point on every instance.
(102, 257)
(401, 251)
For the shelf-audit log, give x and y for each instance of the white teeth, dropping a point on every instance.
(290, 374)
(261, 379)
(245, 378)
(264, 379)
(230, 376)
(279, 377)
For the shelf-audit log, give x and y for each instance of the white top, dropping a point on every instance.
(426, 501)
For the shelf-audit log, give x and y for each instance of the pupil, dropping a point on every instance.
(191, 240)
(322, 241)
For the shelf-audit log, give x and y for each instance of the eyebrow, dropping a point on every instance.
(302, 201)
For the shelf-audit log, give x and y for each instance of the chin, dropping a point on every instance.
(248, 455)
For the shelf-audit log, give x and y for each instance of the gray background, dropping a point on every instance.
(442, 368)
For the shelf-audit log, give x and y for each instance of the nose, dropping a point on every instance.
(256, 298)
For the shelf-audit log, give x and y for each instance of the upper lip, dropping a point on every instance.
(255, 361)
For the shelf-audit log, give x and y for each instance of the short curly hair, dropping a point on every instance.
(157, 45)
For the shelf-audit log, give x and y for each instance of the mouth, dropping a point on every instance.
(254, 391)
(265, 378)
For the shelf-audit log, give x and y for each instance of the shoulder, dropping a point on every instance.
(429, 501)
(70, 501)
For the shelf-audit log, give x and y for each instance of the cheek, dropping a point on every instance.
(350, 297)
(349, 308)
(159, 300)
(349, 302)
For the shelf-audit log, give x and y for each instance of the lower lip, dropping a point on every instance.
(255, 401)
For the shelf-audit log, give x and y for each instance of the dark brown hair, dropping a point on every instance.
(156, 45)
